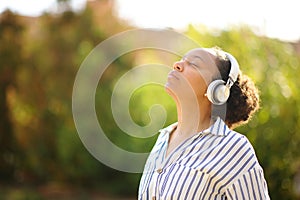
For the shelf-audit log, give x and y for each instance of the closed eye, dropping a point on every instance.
(190, 63)
(194, 64)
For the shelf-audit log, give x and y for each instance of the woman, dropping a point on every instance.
(200, 157)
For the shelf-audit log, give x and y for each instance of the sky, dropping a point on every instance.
(276, 19)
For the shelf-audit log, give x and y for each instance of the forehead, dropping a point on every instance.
(205, 58)
(205, 55)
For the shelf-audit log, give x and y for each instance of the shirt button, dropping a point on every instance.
(159, 170)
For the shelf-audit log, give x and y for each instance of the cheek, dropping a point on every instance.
(199, 84)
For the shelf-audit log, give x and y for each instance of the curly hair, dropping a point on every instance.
(243, 101)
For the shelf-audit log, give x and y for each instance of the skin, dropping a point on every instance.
(187, 84)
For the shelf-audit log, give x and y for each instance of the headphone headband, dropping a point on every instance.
(234, 70)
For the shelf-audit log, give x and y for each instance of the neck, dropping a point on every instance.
(193, 117)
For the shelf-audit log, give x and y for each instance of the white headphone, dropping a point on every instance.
(218, 91)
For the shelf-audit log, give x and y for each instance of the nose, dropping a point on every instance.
(178, 66)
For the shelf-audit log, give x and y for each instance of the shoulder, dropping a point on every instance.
(236, 160)
(237, 152)
(240, 141)
(230, 140)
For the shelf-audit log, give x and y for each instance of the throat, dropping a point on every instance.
(183, 132)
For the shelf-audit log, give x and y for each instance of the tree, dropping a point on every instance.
(10, 60)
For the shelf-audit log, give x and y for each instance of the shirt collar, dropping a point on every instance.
(219, 128)
(169, 128)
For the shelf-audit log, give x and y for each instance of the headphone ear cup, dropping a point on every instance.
(217, 92)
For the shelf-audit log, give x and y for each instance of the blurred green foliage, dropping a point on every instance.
(39, 144)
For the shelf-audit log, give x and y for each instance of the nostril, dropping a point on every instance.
(177, 67)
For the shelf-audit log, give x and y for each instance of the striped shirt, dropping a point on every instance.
(217, 163)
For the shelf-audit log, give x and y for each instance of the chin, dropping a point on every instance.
(169, 89)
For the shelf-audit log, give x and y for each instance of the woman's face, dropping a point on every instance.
(192, 74)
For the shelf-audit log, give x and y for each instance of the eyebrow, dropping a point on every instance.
(199, 58)
(194, 56)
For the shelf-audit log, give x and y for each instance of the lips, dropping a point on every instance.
(172, 74)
